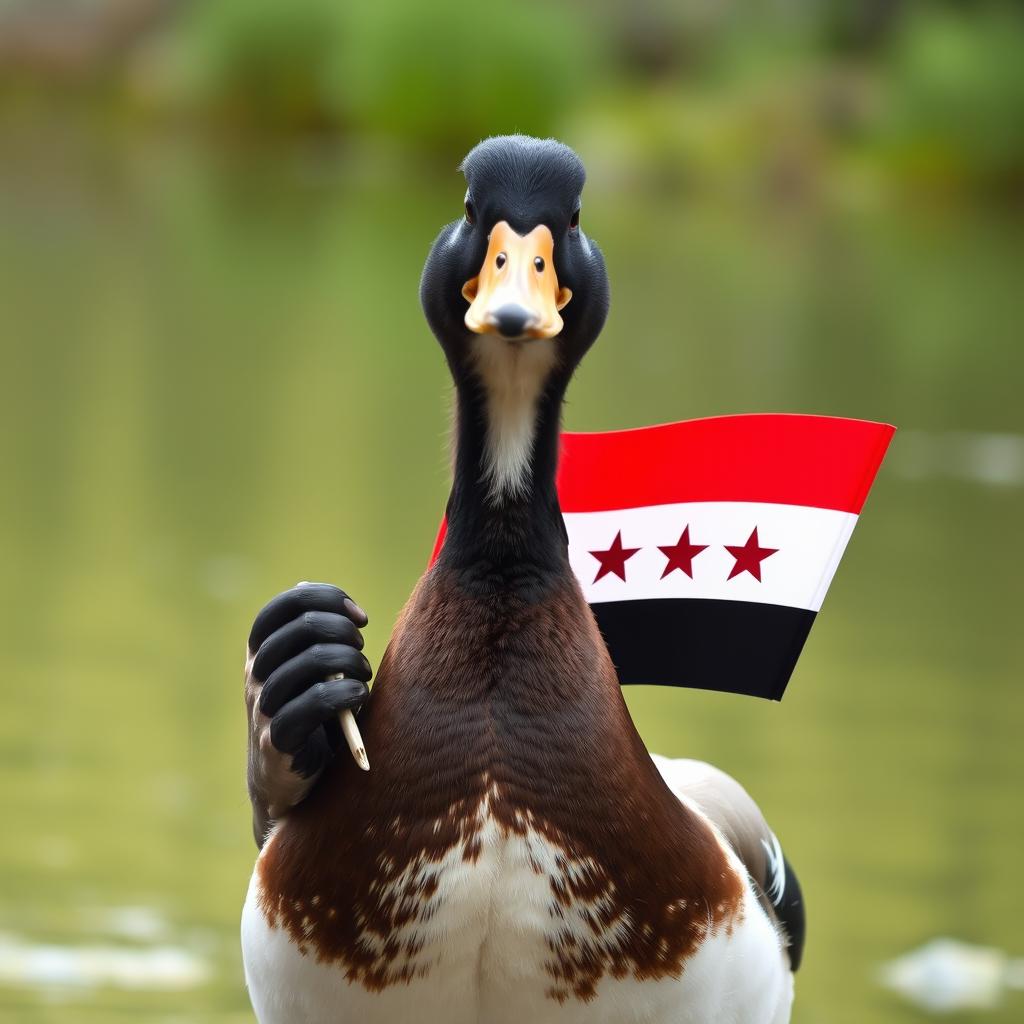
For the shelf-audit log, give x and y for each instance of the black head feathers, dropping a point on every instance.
(523, 180)
(527, 183)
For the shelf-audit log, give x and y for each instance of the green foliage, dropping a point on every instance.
(956, 88)
(443, 71)
(795, 100)
(264, 64)
(431, 73)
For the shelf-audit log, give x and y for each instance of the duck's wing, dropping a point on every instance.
(732, 811)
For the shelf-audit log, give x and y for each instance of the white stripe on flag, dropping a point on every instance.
(809, 543)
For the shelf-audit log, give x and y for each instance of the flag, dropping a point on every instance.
(705, 548)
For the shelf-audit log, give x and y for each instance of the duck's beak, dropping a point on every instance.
(516, 293)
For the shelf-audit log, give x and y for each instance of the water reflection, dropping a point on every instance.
(48, 967)
(219, 382)
(945, 976)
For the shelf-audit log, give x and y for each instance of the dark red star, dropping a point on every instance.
(681, 555)
(614, 559)
(749, 557)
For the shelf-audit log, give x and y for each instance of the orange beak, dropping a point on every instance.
(516, 293)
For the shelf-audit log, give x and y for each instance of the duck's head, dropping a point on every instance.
(514, 290)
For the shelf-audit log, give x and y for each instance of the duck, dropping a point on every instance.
(515, 853)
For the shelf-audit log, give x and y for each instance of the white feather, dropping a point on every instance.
(513, 376)
(486, 942)
(776, 870)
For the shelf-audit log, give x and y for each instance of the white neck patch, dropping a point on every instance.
(513, 377)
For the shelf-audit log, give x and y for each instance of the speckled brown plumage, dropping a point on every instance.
(490, 700)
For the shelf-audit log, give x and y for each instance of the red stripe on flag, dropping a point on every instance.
(819, 461)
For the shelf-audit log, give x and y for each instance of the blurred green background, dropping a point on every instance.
(217, 381)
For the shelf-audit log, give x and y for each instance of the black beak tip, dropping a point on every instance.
(512, 321)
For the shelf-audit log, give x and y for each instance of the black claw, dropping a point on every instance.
(322, 597)
(294, 724)
(293, 637)
(301, 639)
(311, 666)
(357, 614)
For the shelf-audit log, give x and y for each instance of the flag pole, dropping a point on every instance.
(352, 735)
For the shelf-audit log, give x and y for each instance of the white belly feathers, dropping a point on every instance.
(484, 946)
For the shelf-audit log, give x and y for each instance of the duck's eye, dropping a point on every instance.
(539, 264)
(574, 220)
(470, 213)
(499, 260)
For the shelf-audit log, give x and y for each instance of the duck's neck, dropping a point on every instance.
(505, 528)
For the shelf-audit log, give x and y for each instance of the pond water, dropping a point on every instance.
(217, 381)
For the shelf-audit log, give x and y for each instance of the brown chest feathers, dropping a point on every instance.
(490, 713)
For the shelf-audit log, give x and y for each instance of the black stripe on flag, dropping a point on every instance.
(732, 646)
